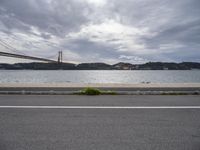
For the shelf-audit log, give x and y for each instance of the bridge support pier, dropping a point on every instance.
(60, 57)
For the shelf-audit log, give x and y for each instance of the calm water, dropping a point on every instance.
(66, 76)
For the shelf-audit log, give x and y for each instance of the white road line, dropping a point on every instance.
(102, 107)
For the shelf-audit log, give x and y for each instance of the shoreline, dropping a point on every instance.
(113, 85)
(70, 88)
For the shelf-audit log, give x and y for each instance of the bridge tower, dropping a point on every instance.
(60, 57)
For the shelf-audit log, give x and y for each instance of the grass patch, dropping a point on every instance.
(94, 91)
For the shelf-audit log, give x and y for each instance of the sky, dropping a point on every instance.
(110, 31)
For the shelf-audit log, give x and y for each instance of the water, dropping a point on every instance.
(110, 76)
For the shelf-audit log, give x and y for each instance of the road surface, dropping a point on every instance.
(125, 122)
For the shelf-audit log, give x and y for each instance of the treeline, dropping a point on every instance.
(102, 66)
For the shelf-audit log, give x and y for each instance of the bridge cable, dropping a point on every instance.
(8, 46)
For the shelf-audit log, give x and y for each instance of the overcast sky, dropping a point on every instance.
(110, 31)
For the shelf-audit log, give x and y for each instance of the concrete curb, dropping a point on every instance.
(138, 92)
(137, 89)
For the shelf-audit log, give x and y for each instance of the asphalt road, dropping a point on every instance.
(99, 129)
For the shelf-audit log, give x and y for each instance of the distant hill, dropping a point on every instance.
(102, 66)
(124, 66)
(169, 66)
(38, 66)
(93, 66)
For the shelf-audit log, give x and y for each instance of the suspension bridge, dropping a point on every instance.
(15, 54)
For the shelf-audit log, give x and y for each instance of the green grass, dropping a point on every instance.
(94, 91)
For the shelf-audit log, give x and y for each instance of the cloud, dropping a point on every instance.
(110, 32)
(55, 17)
(100, 30)
(132, 59)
